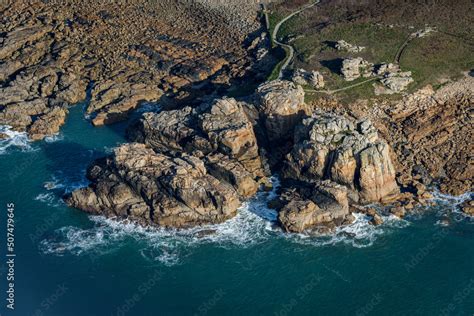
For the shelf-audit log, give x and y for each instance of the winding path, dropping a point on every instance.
(289, 47)
(344, 88)
(291, 51)
(402, 48)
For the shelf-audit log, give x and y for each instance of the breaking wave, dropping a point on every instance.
(255, 223)
(13, 139)
(54, 138)
(167, 246)
(450, 200)
(448, 207)
(63, 183)
(360, 234)
(49, 198)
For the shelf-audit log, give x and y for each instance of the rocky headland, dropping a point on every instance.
(197, 165)
(431, 133)
(53, 54)
(197, 154)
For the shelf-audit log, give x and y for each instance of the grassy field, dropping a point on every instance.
(437, 58)
(432, 59)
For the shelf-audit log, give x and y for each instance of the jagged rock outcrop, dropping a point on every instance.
(431, 133)
(329, 146)
(353, 68)
(334, 162)
(343, 45)
(231, 132)
(194, 167)
(316, 80)
(51, 52)
(222, 127)
(334, 165)
(397, 82)
(150, 187)
(318, 208)
(281, 106)
(313, 78)
(231, 171)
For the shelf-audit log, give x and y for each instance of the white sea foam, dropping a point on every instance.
(54, 138)
(254, 223)
(449, 204)
(67, 184)
(167, 246)
(73, 240)
(54, 184)
(359, 234)
(451, 199)
(148, 107)
(14, 139)
(49, 198)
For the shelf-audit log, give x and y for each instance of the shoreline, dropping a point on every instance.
(232, 146)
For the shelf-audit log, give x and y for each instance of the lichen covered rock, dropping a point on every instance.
(152, 187)
(350, 153)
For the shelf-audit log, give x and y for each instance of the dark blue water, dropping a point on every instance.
(68, 263)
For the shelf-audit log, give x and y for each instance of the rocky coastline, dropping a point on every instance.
(197, 155)
(195, 166)
(118, 56)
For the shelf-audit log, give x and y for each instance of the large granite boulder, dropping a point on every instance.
(152, 187)
(231, 132)
(343, 45)
(170, 130)
(353, 68)
(281, 106)
(335, 162)
(222, 127)
(323, 206)
(312, 78)
(350, 153)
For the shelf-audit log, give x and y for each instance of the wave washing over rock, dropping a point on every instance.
(457, 208)
(254, 223)
(10, 139)
(196, 166)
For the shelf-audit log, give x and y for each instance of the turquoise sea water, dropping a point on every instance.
(69, 263)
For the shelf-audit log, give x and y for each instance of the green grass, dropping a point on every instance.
(432, 60)
(312, 51)
(285, 30)
(281, 54)
(274, 18)
(437, 57)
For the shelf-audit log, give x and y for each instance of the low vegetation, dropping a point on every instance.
(440, 56)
